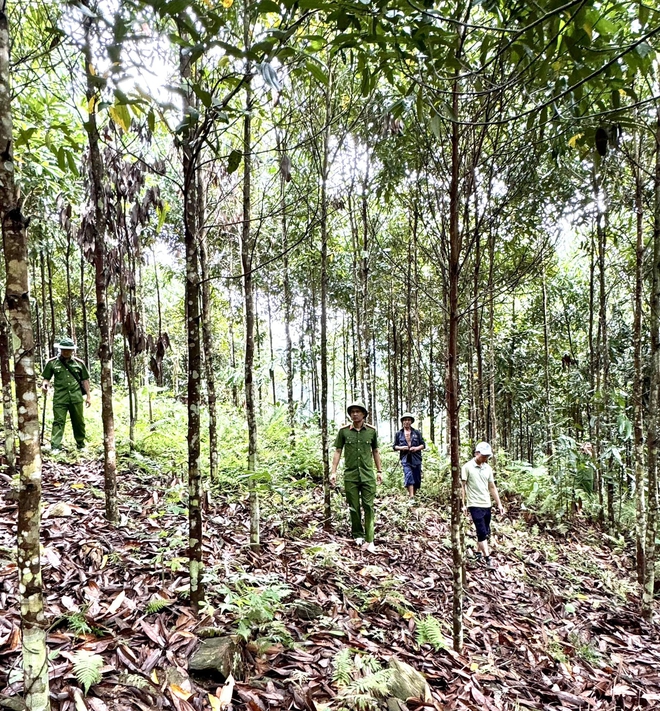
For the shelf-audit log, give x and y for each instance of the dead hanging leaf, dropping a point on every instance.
(285, 167)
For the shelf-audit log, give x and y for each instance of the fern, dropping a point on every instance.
(77, 623)
(87, 668)
(429, 632)
(342, 667)
(156, 605)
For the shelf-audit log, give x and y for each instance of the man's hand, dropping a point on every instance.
(88, 401)
(500, 509)
(333, 478)
(465, 510)
(379, 477)
(45, 385)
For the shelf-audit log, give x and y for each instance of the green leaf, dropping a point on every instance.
(235, 158)
(315, 70)
(268, 6)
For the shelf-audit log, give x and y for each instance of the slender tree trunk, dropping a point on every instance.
(193, 318)
(5, 374)
(271, 366)
(247, 246)
(97, 197)
(327, 512)
(432, 405)
(549, 436)
(17, 304)
(654, 395)
(494, 433)
(637, 396)
(70, 316)
(47, 336)
(365, 353)
(207, 332)
(291, 408)
(83, 304)
(51, 300)
(452, 384)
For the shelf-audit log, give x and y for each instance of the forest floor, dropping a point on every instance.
(555, 626)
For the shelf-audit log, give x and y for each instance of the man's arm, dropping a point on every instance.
(335, 463)
(379, 473)
(88, 392)
(463, 495)
(496, 495)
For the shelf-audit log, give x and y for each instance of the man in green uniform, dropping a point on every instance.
(359, 441)
(70, 381)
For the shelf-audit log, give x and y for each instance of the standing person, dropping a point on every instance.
(359, 441)
(409, 443)
(70, 382)
(478, 486)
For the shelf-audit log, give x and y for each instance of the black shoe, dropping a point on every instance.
(489, 563)
(478, 557)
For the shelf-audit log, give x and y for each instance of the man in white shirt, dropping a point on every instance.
(478, 486)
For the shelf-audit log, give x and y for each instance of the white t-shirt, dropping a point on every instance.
(477, 477)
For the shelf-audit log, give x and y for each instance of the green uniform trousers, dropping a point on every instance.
(360, 489)
(75, 411)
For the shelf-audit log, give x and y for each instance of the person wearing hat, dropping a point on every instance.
(478, 487)
(359, 442)
(70, 383)
(409, 443)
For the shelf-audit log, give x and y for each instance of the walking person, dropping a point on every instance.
(359, 442)
(70, 383)
(409, 443)
(478, 487)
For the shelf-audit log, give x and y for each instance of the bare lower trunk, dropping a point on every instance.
(327, 521)
(7, 398)
(209, 357)
(83, 304)
(452, 390)
(654, 395)
(193, 317)
(17, 303)
(98, 200)
(637, 397)
(291, 408)
(546, 347)
(248, 292)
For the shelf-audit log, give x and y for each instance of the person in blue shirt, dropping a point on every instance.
(409, 443)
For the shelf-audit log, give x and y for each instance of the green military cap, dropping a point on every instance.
(408, 415)
(359, 405)
(66, 344)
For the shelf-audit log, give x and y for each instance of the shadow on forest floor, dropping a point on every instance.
(554, 626)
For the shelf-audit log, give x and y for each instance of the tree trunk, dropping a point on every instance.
(17, 302)
(291, 408)
(97, 198)
(247, 248)
(327, 511)
(7, 398)
(192, 295)
(69, 296)
(452, 386)
(654, 394)
(637, 394)
(549, 436)
(366, 355)
(83, 304)
(207, 333)
(494, 433)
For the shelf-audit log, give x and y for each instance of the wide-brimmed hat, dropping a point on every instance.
(359, 405)
(484, 448)
(66, 344)
(408, 415)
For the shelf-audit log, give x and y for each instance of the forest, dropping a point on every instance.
(254, 223)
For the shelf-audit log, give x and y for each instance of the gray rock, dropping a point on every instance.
(306, 610)
(406, 682)
(217, 658)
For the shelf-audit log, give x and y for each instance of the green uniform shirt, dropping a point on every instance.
(358, 446)
(476, 478)
(67, 389)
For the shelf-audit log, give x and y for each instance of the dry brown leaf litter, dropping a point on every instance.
(555, 626)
